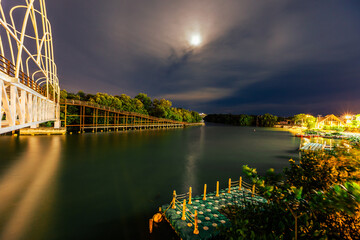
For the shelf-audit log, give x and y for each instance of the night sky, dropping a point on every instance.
(281, 57)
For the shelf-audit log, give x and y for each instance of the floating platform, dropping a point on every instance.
(43, 131)
(314, 147)
(206, 213)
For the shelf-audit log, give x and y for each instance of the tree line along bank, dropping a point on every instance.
(266, 120)
(141, 103)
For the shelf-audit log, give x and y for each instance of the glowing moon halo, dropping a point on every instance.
(195, 40)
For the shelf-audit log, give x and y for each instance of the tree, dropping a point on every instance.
(161, 108)
(82, 95)
(106, 100)
(138, 106)
(305, 120)
(195, 116)
(145, 100)
(237, 120)
(246, 120)
(267, 120)
(126, 103)
(63, 94)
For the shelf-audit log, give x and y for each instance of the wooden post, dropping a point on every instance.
(65, 114)
(190, 192)
(8, 67)
(196, 230)
(23, 78)
(96, 119)
(83, 119)
(173, 201)
(229, 190)
(240, 182)
(183, 211)
(93, 120)
(217, 189)
(204, 198)
(151, 225)
(253, 191)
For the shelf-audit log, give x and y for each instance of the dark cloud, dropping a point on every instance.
(277, 56)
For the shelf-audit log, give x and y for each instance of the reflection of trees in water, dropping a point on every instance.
(194, 153)
(30, 184)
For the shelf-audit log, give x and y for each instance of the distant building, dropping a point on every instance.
(285, 122)
(202, 115)
(330, 121)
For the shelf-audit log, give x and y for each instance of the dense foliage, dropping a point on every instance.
(140, 104)
(319, 196)
(266, 120)
(305, 120)
(237, 120)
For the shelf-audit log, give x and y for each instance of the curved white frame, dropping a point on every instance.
(20, 105)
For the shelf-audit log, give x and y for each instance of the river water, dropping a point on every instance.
(108, 185)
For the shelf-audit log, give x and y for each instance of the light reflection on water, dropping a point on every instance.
(107, 185)
(27, 184)
(194, 154)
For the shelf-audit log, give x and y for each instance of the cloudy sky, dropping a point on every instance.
(276, 56)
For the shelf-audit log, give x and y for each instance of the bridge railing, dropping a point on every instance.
(7, 67)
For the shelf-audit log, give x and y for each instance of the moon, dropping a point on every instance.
(195, 40)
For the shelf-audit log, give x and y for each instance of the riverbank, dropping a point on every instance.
(331, 134)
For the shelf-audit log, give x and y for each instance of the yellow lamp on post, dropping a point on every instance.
(183, 211)
(173, 201)
(196, 230)
(229, 189)
(204, 198)
(190, 192)
(217, 189)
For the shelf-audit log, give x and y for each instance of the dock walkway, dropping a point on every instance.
(315, 147)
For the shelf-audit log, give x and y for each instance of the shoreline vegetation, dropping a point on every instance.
(301, 125)
(266, 120)
(317, 198)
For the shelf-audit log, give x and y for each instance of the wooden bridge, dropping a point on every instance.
(94, 117)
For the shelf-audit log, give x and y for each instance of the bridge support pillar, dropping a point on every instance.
(57, 124)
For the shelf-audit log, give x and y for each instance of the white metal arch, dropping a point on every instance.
(29, 86)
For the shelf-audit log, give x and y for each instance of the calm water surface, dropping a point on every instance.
(107, 185)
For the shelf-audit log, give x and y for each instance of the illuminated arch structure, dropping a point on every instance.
(29, 87)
